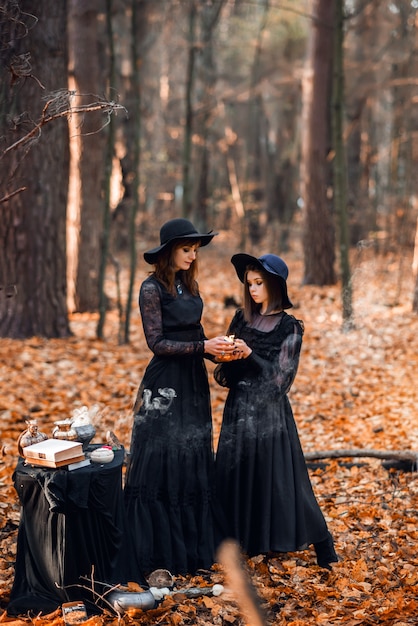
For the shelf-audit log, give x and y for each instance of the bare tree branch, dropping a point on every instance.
(401, 455)
(59, 105)
(231, 559)
(13, 193)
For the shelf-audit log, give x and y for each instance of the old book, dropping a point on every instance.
(77, 464)
(54, 464)
(54, 450)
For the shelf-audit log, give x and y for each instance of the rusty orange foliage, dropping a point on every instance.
(353, 390)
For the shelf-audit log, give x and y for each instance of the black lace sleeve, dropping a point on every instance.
(152, 322)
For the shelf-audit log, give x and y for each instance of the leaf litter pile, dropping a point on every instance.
(354, 391)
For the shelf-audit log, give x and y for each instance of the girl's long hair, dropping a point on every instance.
(165, 273)
(274, 292)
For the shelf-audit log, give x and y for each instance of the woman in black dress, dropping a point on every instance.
(169, 480)
(261, 475)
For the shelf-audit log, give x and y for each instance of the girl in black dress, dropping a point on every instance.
(261, 475)
(169, 480)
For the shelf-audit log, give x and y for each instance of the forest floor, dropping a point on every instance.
(355, 389)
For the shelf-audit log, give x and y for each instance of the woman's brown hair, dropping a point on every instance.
(274, 293)
(165, 272)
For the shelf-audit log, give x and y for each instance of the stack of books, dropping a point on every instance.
(56, 453)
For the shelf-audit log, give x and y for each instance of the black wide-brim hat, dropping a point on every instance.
(175, 230)
(269, 263)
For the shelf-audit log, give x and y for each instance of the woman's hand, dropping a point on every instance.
(227, 348)
(243, 351)
(220, 347)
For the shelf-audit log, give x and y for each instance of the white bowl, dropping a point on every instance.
(102, 455)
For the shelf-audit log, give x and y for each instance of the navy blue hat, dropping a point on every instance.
(174, 230)
(269, 263)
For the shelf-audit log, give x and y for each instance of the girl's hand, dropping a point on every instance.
(243, 351)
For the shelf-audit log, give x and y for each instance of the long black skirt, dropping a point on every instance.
(262, 479)
(170, 476)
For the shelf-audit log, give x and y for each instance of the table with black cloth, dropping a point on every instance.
(72, 527)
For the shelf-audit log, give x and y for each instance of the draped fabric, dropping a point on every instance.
(170, 476)
(72, 527)
(261, 475)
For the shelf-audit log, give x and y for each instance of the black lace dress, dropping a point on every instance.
(261, 474)
(170, 475)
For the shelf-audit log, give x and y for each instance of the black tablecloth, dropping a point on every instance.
(72, 526)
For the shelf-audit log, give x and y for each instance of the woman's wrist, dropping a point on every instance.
(206, 349)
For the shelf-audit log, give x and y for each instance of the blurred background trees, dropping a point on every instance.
(218, 110)
(34, 175)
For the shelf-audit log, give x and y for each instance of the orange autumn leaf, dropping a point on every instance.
(175, 619)
(354, 389)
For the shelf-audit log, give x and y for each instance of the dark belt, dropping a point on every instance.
(184, 333)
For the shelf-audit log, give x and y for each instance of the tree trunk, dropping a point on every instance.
(318, 228)
(33, 221)
(188, 128)
(255, 187)
(340, 168)
(87, 153)
(107, 180)
(209, 17)
(139, 23)
(361, 85)
(415, 273)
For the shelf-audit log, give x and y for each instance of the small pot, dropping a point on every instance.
(85, 434)
(63, 430)
(104, 454)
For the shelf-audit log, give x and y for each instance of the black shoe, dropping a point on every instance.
(325, 552)
(401, 465)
